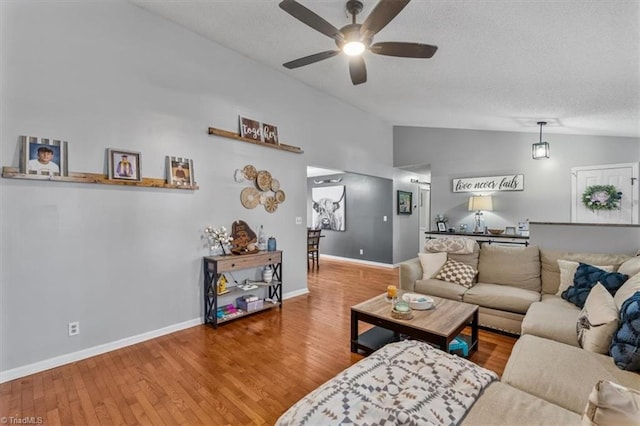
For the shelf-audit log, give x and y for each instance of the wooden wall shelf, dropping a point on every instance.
(79, 177)
(231, 135)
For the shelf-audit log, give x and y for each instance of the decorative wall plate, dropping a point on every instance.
(249, 172)
(271, 205)
(263, 180)
(275, 184)
(250, 197)
(280, 197)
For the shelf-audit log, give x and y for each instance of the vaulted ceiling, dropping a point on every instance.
(500, 64)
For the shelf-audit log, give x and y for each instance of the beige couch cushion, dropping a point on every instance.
(501, 404)
(612, 404)
(512, 299)
(550, 273)
(511, 266)
(630, 267)
(551, 320)
(468, 259)
(598, 321)
(561, 374)
(627, 290)
(440, 288)
(431, 263)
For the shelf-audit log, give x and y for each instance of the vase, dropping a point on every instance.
(267, 274)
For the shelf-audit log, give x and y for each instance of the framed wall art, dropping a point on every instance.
(405, 200)
(442, 226)
(41, 156)
(180, 171)
(328, 204)
(124, 165)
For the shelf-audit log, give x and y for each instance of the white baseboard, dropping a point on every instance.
(57, 361)
(364, 262)
(36, 367)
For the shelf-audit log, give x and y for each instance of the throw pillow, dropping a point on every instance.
(588, 276)
(431, 263)
(612, 404)
(451, 245)
(625, 349)
(568, 271)
(630, 267)
(627, 290)
(456, 272)
(598, 321)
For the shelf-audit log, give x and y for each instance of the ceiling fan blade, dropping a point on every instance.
(300, 62)
(310, 18)
(382, 14)
(358, 70)
(404, 50)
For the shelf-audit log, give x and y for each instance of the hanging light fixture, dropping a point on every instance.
(540, 150)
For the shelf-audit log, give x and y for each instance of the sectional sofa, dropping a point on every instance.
(549, 378)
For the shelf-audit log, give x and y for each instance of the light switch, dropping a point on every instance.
(298, 220)
(384, 218)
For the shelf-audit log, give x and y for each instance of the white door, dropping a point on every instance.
(625, 179)
(425, 215)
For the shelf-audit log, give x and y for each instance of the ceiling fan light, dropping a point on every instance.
(353, 48)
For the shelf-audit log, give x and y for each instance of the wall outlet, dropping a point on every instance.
(74, 328)
(361, 251)
(384, 218)
(298, 220)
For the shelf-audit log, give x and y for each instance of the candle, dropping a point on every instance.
(392, 291)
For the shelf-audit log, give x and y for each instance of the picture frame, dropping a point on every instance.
(180, 171)
(270, 134)
(43, 156)
(442, 226)
(405, 202)
(124, 165)
(510, 230)
(251, 129)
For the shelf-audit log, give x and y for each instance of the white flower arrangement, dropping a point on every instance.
(217, 237)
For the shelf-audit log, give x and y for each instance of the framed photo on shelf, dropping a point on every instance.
(124, 165)
(180, 171)
(41, 156)
(405, 202)
(442, 226)
(510, 230)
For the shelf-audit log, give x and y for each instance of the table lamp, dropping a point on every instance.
(478, 204)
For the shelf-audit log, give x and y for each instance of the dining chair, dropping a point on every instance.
(313, 243)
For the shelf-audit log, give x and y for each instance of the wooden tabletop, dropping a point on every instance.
(442, 320)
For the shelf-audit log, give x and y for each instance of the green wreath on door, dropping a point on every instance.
(601, 197)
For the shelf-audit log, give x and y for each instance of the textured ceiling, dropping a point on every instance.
(500, 64)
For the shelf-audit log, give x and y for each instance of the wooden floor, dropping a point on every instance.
(245, 372)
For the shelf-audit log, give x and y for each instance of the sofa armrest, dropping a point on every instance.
(410, 272)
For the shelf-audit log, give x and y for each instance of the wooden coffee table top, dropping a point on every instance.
(442, 320)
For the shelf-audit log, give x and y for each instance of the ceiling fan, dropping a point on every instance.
(354, 39)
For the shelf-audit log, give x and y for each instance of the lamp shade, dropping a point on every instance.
(483, 202)
(540, 150)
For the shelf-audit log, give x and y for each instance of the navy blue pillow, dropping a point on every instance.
(588, 276)
(625, 347)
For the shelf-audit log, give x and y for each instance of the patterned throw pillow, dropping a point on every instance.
(598, 321)
(625, 349)
(568, 270)
(588, 276)
(457, 272)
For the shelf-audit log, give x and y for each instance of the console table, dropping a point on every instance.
(482, 238)
(215, 266)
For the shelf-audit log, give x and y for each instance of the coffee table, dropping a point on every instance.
(438, 326)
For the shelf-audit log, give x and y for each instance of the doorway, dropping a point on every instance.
(623, 177)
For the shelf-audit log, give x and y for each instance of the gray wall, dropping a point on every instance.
(594, 239)
(468, 153)
(368, 200)
(127, 261)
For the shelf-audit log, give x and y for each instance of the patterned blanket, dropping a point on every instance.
(403, 383)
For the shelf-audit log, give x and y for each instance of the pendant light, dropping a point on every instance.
(540, 150)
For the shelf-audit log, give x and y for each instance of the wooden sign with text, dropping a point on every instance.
(250, 129)
(490, 183)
